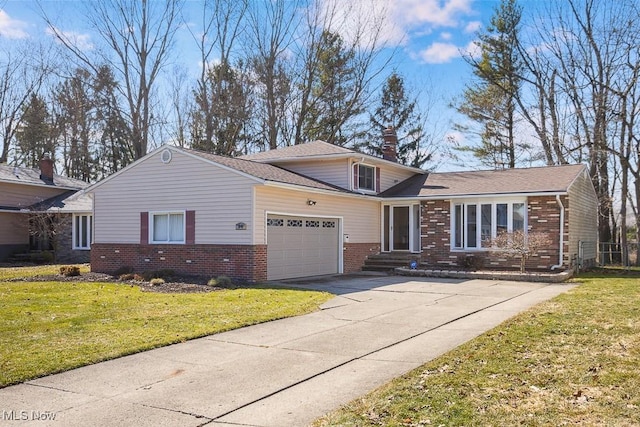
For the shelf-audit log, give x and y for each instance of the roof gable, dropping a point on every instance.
(551, 179)
(264, 171)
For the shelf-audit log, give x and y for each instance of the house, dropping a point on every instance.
(316, 208)
(43, 211)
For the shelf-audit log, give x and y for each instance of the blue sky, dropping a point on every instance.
(429, 37)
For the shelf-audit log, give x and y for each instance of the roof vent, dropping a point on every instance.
(165, 156)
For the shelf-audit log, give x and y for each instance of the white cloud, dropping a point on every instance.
(362, 21)
(472, 49)
(12, 28)
(472, 27)
(438, 13)
(440, 53)
(394, 20)
(81, 41)
(445, 36)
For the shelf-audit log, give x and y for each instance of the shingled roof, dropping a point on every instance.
(21, 175)
(309, 149)
(266, 171)
(554, 179)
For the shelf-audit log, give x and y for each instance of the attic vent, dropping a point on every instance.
(165, 156)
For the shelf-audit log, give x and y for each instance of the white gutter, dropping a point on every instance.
(553, 267)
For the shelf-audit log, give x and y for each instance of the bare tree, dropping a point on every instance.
(22, 73)
(521, 245)
(273, 25)
(138, 35)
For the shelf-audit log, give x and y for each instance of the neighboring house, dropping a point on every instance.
(317, 208)
(42, 211)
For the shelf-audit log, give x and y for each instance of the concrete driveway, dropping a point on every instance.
(282, 373)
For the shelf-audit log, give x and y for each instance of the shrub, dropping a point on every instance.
(156, 281)
(47, 257)
(471, 262)
(138, 278)
(70, 270)
(127, 276)
(148, 275)
(125, 269)
(224, 281)
(165, 273)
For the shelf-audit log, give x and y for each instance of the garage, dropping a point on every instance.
(302, 246)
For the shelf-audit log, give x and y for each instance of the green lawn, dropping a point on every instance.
(574, 360)
(48, 327)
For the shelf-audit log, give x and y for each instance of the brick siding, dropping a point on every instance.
(244, 262)
(64, 243)
(356, 253)
(543, 216)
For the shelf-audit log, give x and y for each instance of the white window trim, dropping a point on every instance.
(365, 190)
(479, 202)
(89, 231)
(162, 242)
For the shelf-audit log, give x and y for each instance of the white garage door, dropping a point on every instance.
(301, 246)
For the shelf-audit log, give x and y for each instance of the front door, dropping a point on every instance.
(401, 228)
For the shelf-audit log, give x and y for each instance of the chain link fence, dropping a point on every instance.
(620, 255)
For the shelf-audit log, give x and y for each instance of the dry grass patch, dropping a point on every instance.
(571, 361)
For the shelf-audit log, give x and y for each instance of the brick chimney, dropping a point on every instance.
(46, 169)
(389, 147)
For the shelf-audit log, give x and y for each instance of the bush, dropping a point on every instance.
(138, 278)
(222, 281)
(470, 262)
(156, 281)
(70, 270)
(165, 273)
(125, 269)
(127, 276)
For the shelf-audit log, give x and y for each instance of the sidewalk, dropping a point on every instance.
(282, 373)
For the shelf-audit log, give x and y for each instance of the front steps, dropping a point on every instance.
(388, 261)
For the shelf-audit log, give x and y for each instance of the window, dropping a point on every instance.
(366, 177)
(475, 225)
(82, 227)
(167, 227)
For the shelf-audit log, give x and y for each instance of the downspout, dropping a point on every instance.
(560, 260)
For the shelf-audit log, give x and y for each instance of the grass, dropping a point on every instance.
(570, 361)
(48, 327)
(7, 273)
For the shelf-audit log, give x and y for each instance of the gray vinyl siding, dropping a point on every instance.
(335, 172)
(23, 195)
(583, 217)
(13, 229)
(220, 198)
(339, 172)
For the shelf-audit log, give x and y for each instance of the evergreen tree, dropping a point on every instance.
(397, 110)
(491, 100)
(75, 117)
(113, 151)
(34, 137)
(220, 119)
(335, 99)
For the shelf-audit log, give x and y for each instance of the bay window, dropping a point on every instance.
(476, 223)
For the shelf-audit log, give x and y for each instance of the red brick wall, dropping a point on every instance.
(244, 262)
(543, 216)
(355, 254)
